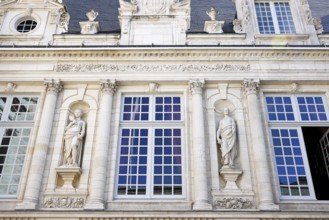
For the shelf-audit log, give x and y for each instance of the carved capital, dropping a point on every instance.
(250, 86)
(64, 202)
(108, 86)
(53, 86)
(196, 86)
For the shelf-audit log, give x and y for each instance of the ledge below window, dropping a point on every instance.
(147, 206)
(281, 38)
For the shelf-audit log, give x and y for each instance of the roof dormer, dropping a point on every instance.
(31, 22)
(158, 22)
(277, 21)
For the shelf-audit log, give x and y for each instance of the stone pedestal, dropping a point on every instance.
(89, 27)
(69, 174)
(214, 27)
(230, 176)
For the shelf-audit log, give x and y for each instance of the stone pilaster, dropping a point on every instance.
(99, 165)
(200, 186)
(263, 179)
(34, 181)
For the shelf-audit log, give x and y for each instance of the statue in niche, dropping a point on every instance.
(226, 137)
(73, 138)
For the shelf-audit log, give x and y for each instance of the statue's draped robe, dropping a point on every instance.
(71, 140)
(228, 135)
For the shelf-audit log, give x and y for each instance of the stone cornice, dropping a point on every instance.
(165, 54)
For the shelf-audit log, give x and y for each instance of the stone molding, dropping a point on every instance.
(53, 86)
(234, 203)
(64, 202)
(108, 86)
(257, 53)
(152, 68)
(250, 86)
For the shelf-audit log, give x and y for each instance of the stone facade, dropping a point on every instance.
(151, 99)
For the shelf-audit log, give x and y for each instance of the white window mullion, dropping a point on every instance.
(275, 18)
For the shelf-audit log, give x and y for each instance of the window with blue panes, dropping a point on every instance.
(274, 18)
(295, 136)
(16, 120)
(150, 148)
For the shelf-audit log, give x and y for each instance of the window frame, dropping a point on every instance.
(274, 17)
(17, 124)
(297, 124)
(151, 125)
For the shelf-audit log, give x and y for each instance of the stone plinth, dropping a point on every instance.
(89, 27)
(214, 27)
(230, 176)
(69, 175)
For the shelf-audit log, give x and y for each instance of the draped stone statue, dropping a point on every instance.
(226, 137)
(73, 138)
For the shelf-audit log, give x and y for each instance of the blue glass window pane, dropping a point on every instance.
(167, 160)
(275, 133)
(291, 170)
(278, 151)
(167, 170)
(287, 100)
(301, 100)
(157, 169)
(167, 180)
(276, 141)
(142, 170)
(297, 151)
(281, 170)
(299, 161)
(300, 171)
(167, 150)
(279, 161)
(158, 150)
(293, 181)
(142, 180)
(305, 117)
(287, 151)
(318, 100)
(142, 160)
(123, 170)
(157, 179)
(284, 133)
(286, 142)
(157, 160)
(289, 161)
(283, 180)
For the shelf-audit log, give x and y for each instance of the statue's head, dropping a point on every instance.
(225, 110)
(78, 113)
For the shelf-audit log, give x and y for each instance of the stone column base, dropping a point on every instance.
(202, 205)
(94, 206)
(26, 206)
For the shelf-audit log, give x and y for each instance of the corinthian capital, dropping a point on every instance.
(196, 86)
(108, 86)
(250, 86)
(53, 86)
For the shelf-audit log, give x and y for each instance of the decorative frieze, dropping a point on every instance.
(234, 203)
(152, 68)
(64, 202)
